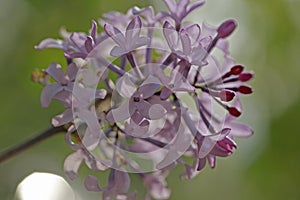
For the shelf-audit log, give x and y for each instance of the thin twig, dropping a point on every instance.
(11, 152)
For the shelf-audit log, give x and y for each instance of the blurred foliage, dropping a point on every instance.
(264, 167)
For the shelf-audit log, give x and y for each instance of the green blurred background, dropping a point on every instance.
(266, 166)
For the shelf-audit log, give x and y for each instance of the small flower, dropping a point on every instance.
(173, 83)
(181, 43)
(64, 82)
(179, 10)
(148, 14)
(116, 18)
(136, 100)
(75, 45)
(128, 42)
(117, 188)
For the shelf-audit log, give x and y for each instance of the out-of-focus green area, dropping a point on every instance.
(265, 166)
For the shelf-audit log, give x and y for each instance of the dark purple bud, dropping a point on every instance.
(244, 77)
(226, 28)
(89, 44)
(226, 95)
(236, 70)
(233, 111)
(245, 89)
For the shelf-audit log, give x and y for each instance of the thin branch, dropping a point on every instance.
(9, 153)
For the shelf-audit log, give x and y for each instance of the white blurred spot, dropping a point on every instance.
(44, 186)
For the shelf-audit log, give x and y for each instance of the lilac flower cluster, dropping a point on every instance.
(145, 94)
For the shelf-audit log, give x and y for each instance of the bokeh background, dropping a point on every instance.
(265, 166)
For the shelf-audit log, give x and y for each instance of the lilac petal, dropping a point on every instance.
(137, 130)
(195, 5)
(220, 151)
(143, 107)
(186, 42)
(118, 51)
(55, 71)
(48, 93)
(63, 118)
(64, 97)
(72, 164)
(157, 111)
(76, 55)
(139, 42)
(120, 113)
(125, 86)
(91, 184)
(223, 45)
(165, 93)
(171, 5)
(121, 182)
(205, 42)
(208, 31)
(82, 96)
(221, 135)
(50, 43)
(115, 34)
(78, 40)
(71, 71)
(91, 139)
(181, 85)
(193, 31)
(137, 117)
(171, 35)
(211, 161)
(201, 164)
(149, 87)
(148, 13)
(240, 130)
(133, 29)
(181, 8)
(210, 141)
(198, 55)
(94, 30)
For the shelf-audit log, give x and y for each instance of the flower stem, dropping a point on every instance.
(134, 66)
(9, 153)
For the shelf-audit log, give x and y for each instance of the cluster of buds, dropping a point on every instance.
(145, 93)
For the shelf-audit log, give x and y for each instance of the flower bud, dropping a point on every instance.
(226, 28)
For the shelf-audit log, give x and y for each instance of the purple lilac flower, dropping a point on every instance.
(128, 42)
(179, 10)
(64, 82)
(75, 45)
(144, 94)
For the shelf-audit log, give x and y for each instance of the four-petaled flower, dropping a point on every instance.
(129, 41)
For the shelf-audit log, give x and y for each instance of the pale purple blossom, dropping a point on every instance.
(75, 45)
(130, 40)
(179, 10)
(64, 82)
(117, 188)
(185, 43)
(165, 97)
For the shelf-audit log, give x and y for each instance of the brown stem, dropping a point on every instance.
(9, 153)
